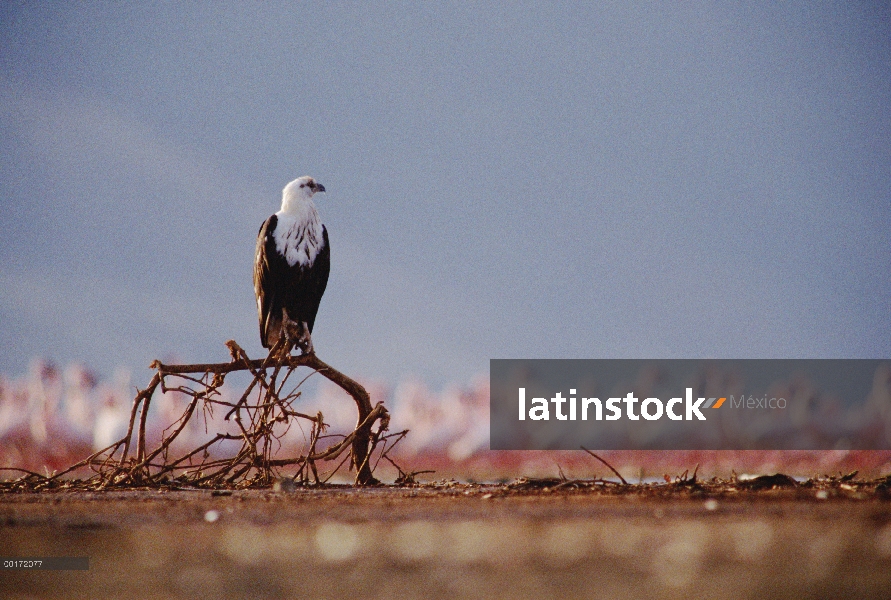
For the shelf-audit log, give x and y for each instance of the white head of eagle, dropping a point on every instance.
(291, 266)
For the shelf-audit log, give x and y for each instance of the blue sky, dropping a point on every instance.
(526, 180)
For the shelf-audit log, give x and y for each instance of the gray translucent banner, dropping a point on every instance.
(620, 404)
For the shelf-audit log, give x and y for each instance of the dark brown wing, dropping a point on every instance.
(270, 271)
(313, 284)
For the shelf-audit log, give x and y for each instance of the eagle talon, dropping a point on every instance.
(306, 340)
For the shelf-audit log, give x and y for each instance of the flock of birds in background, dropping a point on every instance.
(52, 417)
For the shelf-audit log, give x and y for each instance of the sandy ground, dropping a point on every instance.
(448, 541)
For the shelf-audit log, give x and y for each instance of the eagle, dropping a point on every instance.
(291, 269)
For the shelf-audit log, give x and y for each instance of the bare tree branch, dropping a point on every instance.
(262, 416)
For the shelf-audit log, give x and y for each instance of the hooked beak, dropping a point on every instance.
(319, 187)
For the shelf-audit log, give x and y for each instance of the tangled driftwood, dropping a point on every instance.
(261, 416)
